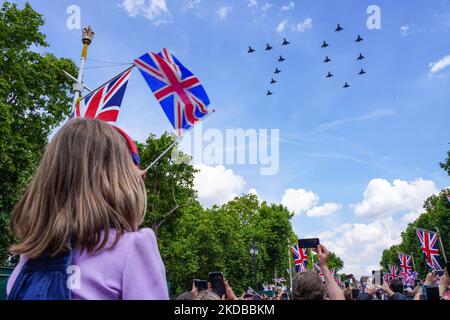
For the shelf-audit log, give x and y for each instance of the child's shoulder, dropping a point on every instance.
(144, 238)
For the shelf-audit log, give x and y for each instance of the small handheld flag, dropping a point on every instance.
(430, 248)
(300, 258)
(405, 264)
(178, 90)
(104, 103)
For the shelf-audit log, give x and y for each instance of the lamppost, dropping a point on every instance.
(254, 251)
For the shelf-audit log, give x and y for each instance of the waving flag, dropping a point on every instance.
(430, 248)
(409, 279)
(393, 272)
(279, 280)
(300, 258)
(405, 264)
(182, 97)
(104, 103)
(319, 271)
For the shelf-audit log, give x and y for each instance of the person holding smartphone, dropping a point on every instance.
(394, 290)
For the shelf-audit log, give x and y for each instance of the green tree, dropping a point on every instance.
(34, 99)
(446, 164)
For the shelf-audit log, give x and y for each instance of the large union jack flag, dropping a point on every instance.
(405, 264)
(182, 97)
(300, 258)
(104, 103)
(430, 248)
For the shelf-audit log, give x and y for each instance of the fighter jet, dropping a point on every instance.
(339, 28)
(359, 39)
(281, 59)
(273, 81)
(325, 44)
(329, 75)
(269, 93)
(361, 57)
(362, 72)
(277, 71)
(285, 42)
(268, 47)
(250, 50)
(346, 85)
(326, 60)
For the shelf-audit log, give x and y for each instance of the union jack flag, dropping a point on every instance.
(319, 271)
(300, 258)
(393, 270)
(430, 248)
(448, 197)
(182, 97)
(405, 264)
(279, 280)
(409, 279)
(104, 103)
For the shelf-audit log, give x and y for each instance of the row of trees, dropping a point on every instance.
(436, 214)
(35, 99)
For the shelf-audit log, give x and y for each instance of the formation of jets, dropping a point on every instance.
(280, 59)
(324, 45)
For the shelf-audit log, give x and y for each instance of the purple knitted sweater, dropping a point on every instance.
(132, 270)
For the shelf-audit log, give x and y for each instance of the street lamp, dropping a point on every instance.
(254, 251)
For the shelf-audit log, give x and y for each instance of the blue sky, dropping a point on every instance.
(358, 162)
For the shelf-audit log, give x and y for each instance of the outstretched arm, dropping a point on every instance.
(334, 292)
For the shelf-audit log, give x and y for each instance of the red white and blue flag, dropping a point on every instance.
(405, 264)
(300, 258)
(393, 272)
(409, 279)
(430, 248)
(319, 271)
(104, 103)
(178, 90)
(448, 197)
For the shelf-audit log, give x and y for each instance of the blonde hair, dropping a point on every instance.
(86, 183)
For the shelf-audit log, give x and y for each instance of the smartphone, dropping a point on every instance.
(217, 284)
(308, 243)
(201, 285)
(355, 293)
(378, 277)
(431, 293)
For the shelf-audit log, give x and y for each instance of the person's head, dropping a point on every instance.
(396, 285)
(348, 294)
(307, 286)
(207, 295)
(85, 184)
(186, 296)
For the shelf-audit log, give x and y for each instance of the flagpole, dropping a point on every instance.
(290, 270)
(176, 141)
(87, 37)
(442, 246)
(414, 264)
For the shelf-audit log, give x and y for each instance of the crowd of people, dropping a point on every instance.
(308, 285)
(82, 212)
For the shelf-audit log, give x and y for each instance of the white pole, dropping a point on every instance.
(442, 246)
(88, 34)
(290, 270)
(175, 142)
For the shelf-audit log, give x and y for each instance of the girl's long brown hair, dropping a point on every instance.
(86, 183)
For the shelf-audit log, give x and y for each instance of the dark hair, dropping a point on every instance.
(307, 286)
(397, 285)
(186, 296)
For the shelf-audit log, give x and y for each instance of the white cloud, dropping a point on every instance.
(193, 4)
(368, 116)
(266, 6)
(360, 245)
(325, 210)
(299, 200)
(304, 25)
(253, 3)
(406, 29)
(439, 65)
(216, 185)
(382, 198)
(153, 10)
(288, 7)
(255, 192)
(224, 12)
(281, 26)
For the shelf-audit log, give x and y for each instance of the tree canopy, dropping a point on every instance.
(34, 99)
